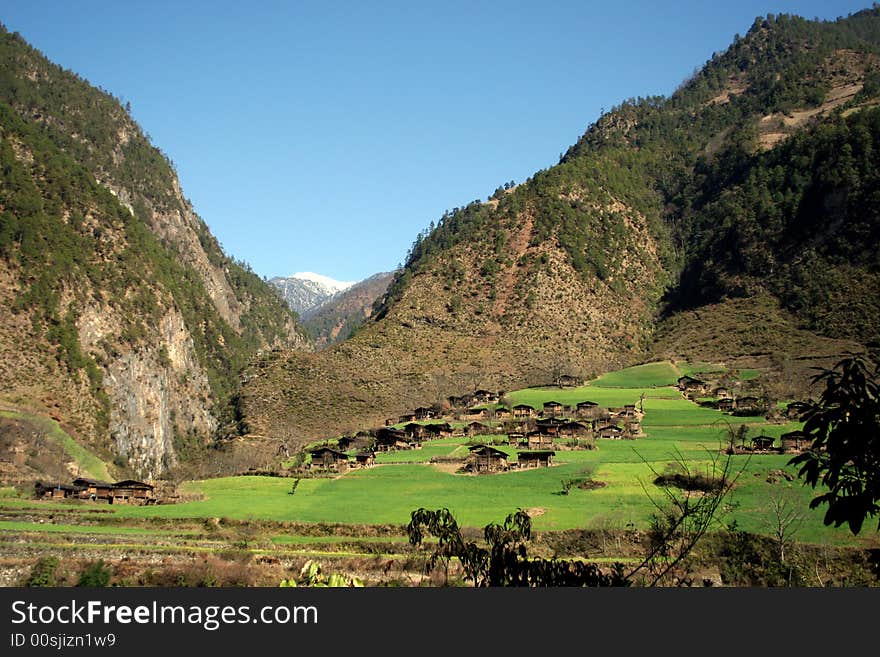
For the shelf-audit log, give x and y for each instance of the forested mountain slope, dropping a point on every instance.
(122, 316)
(756, 177)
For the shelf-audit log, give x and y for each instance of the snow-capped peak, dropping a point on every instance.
(332, 285)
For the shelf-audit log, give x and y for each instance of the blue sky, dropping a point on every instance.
(323, 136)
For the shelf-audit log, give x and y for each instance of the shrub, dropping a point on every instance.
(44, 572)
(95, 574)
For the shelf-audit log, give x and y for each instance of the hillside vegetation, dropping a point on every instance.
(745, 199)
(122, 313)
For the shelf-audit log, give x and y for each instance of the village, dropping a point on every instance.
(535, 433)
(128, 491)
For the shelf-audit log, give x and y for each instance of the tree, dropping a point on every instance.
(505, 560)
(844, 456)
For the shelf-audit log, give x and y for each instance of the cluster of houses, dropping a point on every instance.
(724, 399)
(536, 433)
(127, 491)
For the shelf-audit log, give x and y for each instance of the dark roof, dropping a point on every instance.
(550, 422)
(609, 427)
(445, 426)
(386, 432)
(486, 450)
(688, 379)
(82, 481)
(587, 403)
(794, 434)
(525, 406)
(536, 453)
(552, 403)
(323, 450)
(131, 483)
(68, 487)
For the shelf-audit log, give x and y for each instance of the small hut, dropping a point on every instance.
(552, 408)
(484, 458)
(795, 441)
(524, 410)
(535, 458)
(762, 443)
(327, 458)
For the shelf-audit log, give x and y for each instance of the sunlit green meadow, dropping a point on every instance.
(676, 431)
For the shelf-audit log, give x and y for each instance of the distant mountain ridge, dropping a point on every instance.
(306, 291)
(331, 310)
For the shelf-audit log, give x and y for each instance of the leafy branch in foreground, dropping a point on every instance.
(844, 456)
(506, 561)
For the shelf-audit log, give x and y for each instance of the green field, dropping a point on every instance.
(675, 430)
(89, 464)
(640, 376)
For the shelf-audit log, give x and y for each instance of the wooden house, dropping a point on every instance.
(793, 411)
(515, 438)
(406, 417)
(610, 432)
(762, 443)
(388, 438)
(365, 459)
(690, 385)
(748, 406)
(726, 405)
(130, 491)
(425, 413)
(477, 429)
(632, 428)
(438, 430)
(327, 458)
(502, 413)
(539, 440)
(460, 402)
(535, 458)
(550, 424)
(485, 397)
(57, 491)
(477, 413)
(93, 489)
(586, 409)
(575, 429)
(415, 430)
(484, 458)
(552, 408)
(721, 393)
(795, 441)
(524, 410)
(569, 381)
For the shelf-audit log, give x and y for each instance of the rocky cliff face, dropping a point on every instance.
(122, 315)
